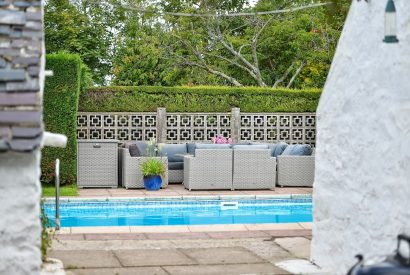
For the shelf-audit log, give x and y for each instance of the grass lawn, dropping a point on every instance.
(49, 190)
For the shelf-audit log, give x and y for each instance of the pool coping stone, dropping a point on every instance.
(182, 197)
(185, 228)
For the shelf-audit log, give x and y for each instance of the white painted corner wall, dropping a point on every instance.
(20, 227)
(362, 178)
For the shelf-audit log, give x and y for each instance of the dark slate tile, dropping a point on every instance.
(4, 146)
(12, 75)
(5, 132)
(28, 86)
(2, 63)
(12, 99)
(16, 33)
(4, 43)
(25, 145)
(34, 16)
(31, 45)
(32, 34)
(22, 4)
(5, 30)
(10, 17)
(34, 71)
(23, 132)
(25, 61)
(19, 43)
(34, 25)
(8, 52)
(4, 3)
(15, 117)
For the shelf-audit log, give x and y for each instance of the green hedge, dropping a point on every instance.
(61, 95)
(197, 99)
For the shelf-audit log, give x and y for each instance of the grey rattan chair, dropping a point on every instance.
(208, 169)
(253, 169)
(296, 170)
(131, 174)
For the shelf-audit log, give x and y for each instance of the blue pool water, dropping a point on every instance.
(182, 212)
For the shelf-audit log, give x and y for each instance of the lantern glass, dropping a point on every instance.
(390, 24)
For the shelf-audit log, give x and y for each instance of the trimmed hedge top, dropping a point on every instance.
(197, 99)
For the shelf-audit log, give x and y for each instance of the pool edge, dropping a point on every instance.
(184, 228)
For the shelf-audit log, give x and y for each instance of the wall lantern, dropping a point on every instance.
(390, 28)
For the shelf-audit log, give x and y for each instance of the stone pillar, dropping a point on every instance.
(161, 125)
(235, 124)
(21, 87)
(362, 178)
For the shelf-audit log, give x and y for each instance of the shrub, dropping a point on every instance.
(46, 235)
(61, 94)
(197, 99)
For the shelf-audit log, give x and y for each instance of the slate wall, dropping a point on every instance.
(21, 85)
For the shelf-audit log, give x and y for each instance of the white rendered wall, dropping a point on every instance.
(20, 227)
(362, 178)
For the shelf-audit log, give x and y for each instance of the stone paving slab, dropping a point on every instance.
(288, 233)
(159, 229)
(298, 246)
(222, 255)
(177, 236)
(273, 226)
(179, 190)
(125, 236)
(118, 271)
(269, 234)
(179, 256)
(237, 234)
(100, 229)
(85, 259)
(152, 257)
(217, 227)
(234, 269)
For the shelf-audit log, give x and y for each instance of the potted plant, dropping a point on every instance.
(153, 169)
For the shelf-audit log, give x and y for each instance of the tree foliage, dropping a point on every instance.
(124, 42)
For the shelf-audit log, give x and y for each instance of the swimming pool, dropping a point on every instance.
(180, 212)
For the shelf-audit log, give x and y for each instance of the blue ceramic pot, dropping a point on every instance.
(152, 183)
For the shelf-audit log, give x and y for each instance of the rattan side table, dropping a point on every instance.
(97, 163)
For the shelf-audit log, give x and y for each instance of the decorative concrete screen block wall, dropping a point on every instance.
(21, 85)
(192, 127)
(362, 180)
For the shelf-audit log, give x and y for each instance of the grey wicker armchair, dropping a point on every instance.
(131, 174)
(296, 170)
(208, 169)
(254, 169)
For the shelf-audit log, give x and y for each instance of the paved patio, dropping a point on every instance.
(107, 254)
(178, 190)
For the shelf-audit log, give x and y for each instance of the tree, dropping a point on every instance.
(84, 28)
(259, 50)
(129, 42)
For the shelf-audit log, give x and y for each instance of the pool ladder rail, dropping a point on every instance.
(229, 205)
(57, 220)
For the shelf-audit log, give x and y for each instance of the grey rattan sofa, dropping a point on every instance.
(208, 169)
(175, 154)
(131, 173)
(253, 168)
